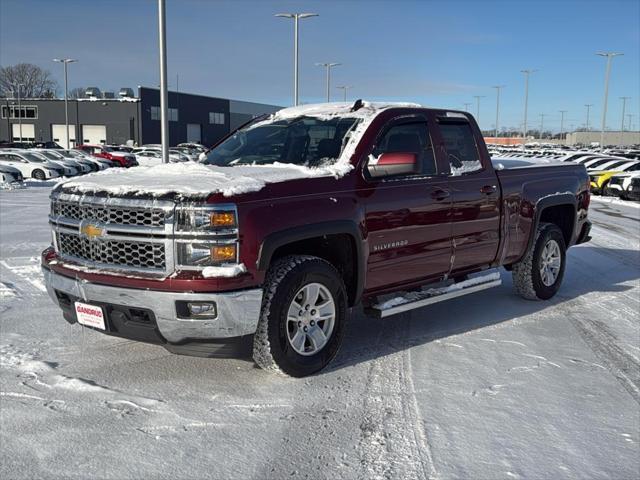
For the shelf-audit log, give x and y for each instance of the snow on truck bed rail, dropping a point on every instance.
(192, 179)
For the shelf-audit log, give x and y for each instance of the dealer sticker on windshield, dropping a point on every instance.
(90, 315)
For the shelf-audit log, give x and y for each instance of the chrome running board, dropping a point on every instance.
(420, 299)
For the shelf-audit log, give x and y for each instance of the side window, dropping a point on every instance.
(462, 150)
(408, 138)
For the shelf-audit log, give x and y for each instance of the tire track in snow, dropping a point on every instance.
(392, 442)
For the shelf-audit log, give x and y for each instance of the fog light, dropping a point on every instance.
(202, 309)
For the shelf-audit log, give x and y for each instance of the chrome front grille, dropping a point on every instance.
(109, 214)
(139, 255)
(110, 233)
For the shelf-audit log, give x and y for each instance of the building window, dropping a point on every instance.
(25, 111)
(216, 118)
(173, 114)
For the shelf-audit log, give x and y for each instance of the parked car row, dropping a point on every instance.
(612, 171)
(45, 164)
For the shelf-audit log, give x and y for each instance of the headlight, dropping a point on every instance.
(206, 254)
(207, 235)
(206, 219)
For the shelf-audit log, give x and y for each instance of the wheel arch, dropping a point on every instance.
(339, 242)
(561, 210)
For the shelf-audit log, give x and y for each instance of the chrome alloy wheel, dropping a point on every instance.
(550, 262)
(310, 319)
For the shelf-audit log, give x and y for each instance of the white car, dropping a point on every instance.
(603, 164)
(620, 184)
(10, 175)
(149, 156)
(29, 165)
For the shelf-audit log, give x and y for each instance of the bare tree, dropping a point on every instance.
(36, 82)
(77, 92)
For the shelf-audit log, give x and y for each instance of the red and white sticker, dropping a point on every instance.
(90, 315)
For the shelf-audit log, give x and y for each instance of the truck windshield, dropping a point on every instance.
(305, 141)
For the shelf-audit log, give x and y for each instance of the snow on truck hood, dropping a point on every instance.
(193, 179)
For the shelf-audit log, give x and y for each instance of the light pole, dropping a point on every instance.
(164, 92)
(466, 107)
(344, 89)
(296, 17)
(542, 115)
(328, 66)
(624, 105)
(478, 97)
(588, 105)
(609, 56)
(18, 85)
(629, 115)
(562, 112)
(526, 102)
(498, 88)
(65, 62)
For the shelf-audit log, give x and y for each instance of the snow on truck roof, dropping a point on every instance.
(194, 179)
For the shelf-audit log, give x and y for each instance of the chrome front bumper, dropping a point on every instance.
(238, 312)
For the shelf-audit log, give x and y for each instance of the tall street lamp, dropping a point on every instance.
(562, 112)
(478, 97)
(498, 88)
(344, 89)
(609, 56)
(328, 66)
(164, 91)
(542, 115)
(296, 17)
(588, 105)
(65, 62)
(624, 105)
(466, 107)
(527, 73)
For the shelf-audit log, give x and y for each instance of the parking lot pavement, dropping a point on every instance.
(484, 386)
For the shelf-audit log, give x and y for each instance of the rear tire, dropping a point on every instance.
(38, 174)
(300, 292)
(539, 274)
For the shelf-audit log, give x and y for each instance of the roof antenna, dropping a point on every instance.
(357, 105)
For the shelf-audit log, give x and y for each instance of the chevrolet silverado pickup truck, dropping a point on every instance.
(297, 217)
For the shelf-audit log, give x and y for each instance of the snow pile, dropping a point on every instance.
(186, 178)
(225, 271)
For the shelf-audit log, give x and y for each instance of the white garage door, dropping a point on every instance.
(94, 134)
(193, 132)
(28, 132)
(59, 135)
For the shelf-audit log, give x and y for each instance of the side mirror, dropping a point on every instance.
(389, 164)
(202, 157)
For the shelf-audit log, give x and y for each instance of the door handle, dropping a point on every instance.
(488, 189)
(440, 194)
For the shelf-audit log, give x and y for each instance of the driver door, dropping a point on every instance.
(407, 215)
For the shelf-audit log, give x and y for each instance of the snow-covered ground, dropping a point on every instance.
(487, 386)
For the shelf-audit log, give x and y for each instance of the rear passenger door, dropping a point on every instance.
(407, 215)
(475, 196)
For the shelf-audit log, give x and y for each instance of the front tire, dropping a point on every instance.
(539, 274)
(303, 316)
(39, 174)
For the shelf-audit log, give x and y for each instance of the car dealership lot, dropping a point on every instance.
(485, 386)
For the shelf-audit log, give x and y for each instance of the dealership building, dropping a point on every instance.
(104, 119)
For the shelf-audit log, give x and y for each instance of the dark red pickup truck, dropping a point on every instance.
(297, 217)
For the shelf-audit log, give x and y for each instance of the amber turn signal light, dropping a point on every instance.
(223, 253)
(223, 219)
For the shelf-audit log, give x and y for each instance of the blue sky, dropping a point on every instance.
(432, 52)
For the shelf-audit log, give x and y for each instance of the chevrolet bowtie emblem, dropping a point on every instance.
(92, 231)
